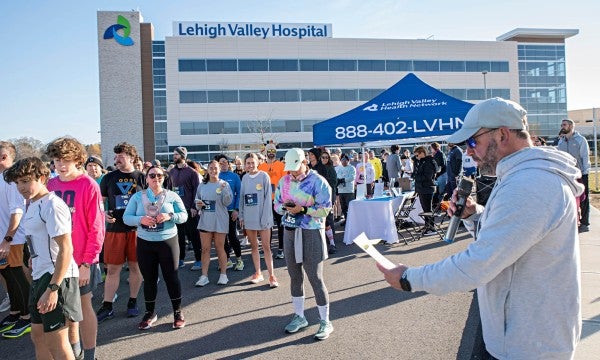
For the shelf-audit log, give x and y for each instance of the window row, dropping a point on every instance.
(245, 127)
(190, 65)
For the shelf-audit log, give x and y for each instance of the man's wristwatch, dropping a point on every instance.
(8, 238)
(404, 283)
(53, 287)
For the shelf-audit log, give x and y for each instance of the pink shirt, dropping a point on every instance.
(82, 196)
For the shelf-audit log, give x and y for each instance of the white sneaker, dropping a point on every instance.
(203, 281)
(244, 241)
(223, 280)
(5, 305)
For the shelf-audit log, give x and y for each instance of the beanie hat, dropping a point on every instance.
(181, 151)
(94, 159)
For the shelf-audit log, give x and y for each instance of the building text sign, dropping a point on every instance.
(257, 30)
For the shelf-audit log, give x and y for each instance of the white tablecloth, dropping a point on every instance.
(373, 217)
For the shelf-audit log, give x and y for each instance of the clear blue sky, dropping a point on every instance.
(49, 57)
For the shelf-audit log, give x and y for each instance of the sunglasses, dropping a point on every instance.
(155, 175)
(324, 157)
(472, 143)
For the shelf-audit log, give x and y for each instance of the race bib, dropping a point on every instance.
(209, 205)
(155, 228)
(250, 199)
(179, 190)
(122, 201)
(291, 221)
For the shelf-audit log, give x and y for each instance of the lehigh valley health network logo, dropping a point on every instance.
(113, 32)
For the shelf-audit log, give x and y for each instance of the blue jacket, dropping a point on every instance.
(235, 184)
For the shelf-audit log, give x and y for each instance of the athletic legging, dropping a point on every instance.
(277, 219)
(232, 241)
(151, 254)
(17, 287)
(312, 253)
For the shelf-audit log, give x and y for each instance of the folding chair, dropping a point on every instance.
(403, 220)
(438, 216)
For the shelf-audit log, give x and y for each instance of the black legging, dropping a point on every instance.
(277, 219)
(151, 254)
(189, 229)
(17, 287)
(426, 200)
(232, 241)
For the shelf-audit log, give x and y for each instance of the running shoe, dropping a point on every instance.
(5, 304)
(104, 313)
(325, 328)
(244, 241)
(20, 328)
(298, 322)
(197, 266)
(256, 278)
(8, 322)
(178, 320)
(132, 309)
(229, 264)
(239, 265)
(273, 283)
(181, 264)
(148, 320)
(332, 249)
(280, 255)
(202, 281)
(223, 280)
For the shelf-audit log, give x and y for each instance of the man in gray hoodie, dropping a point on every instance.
(525, 261)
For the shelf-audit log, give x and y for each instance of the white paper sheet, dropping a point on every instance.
(366, 245)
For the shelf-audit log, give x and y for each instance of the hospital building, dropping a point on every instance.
(228, 87)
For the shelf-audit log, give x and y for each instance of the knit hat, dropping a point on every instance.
(94, 159)
(181, 151)
(316, 152)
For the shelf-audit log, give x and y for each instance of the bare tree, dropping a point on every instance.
(28, 146)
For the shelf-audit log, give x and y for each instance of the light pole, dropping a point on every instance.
(595, 146)
(484, 73)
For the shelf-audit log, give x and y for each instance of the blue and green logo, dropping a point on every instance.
(113, 32)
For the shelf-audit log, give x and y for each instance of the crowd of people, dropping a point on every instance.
(74, 225)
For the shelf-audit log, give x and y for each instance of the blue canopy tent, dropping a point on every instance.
(409, 109)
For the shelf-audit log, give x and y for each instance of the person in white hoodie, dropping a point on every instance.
(525, 262)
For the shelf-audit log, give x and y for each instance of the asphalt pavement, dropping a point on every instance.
(372, 321)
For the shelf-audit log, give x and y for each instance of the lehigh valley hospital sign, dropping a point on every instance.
(256, 30)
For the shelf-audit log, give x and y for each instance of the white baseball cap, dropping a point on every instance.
(491, 114)
(293, 159)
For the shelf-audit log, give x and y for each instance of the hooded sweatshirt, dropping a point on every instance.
(525, 263)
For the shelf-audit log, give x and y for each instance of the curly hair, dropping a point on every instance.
(30, 167)
(67, 148)
(127, 149)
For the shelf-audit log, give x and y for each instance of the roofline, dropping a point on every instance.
(538, 33)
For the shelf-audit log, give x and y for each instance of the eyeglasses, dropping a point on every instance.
(472, 143)
(155, 175)
(324, 157)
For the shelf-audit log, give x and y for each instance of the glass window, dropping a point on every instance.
(160, 126)
(283, 65)
(253, 65)
(160, 101)
(159, 81)
(344, 95)
(399, 65)
(475, 94)
(342, 65)
(426, 65)
(277, 126)
(314, 95)
(223, 96)
(216, 127)
(190, 97)
(503, 93)
(160, 111)
(293, 126)
(307, 125)
(254, 95)
(314, 65)
(285, 95)
(193, 128)
(158, 63)
(231, 127)
(478, 66)
(371, 65)
(368, 94)
(453, 66)
(158, 71)
(221, 65)
(499, 66)
(457, 93)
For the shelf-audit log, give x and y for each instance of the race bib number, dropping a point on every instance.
(155, 228)
(291, 221)
(122, 201)
(250, 199)
(209, 205)
(179, 190)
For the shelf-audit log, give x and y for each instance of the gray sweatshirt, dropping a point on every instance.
(525, 262)
(256, 202)
(216, 196)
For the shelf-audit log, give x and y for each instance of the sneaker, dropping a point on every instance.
(223, 280)
(148, 320)
(197, 266)
(239, 265)
(256, 278)
(20, 328)
(181, 264)
(325, 328)
(244, 241)
(229, 264)
(179, 321)
(280, 255)
(332, 249)
(261, 253)
(8, 322)
(5, 305)
(583, 228)
(273, 283)
(115, 297)
(202, 281)
(429, 232)
(298, 322)
(132, 309)
(104, 313)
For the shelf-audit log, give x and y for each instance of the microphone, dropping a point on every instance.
(464, 190)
